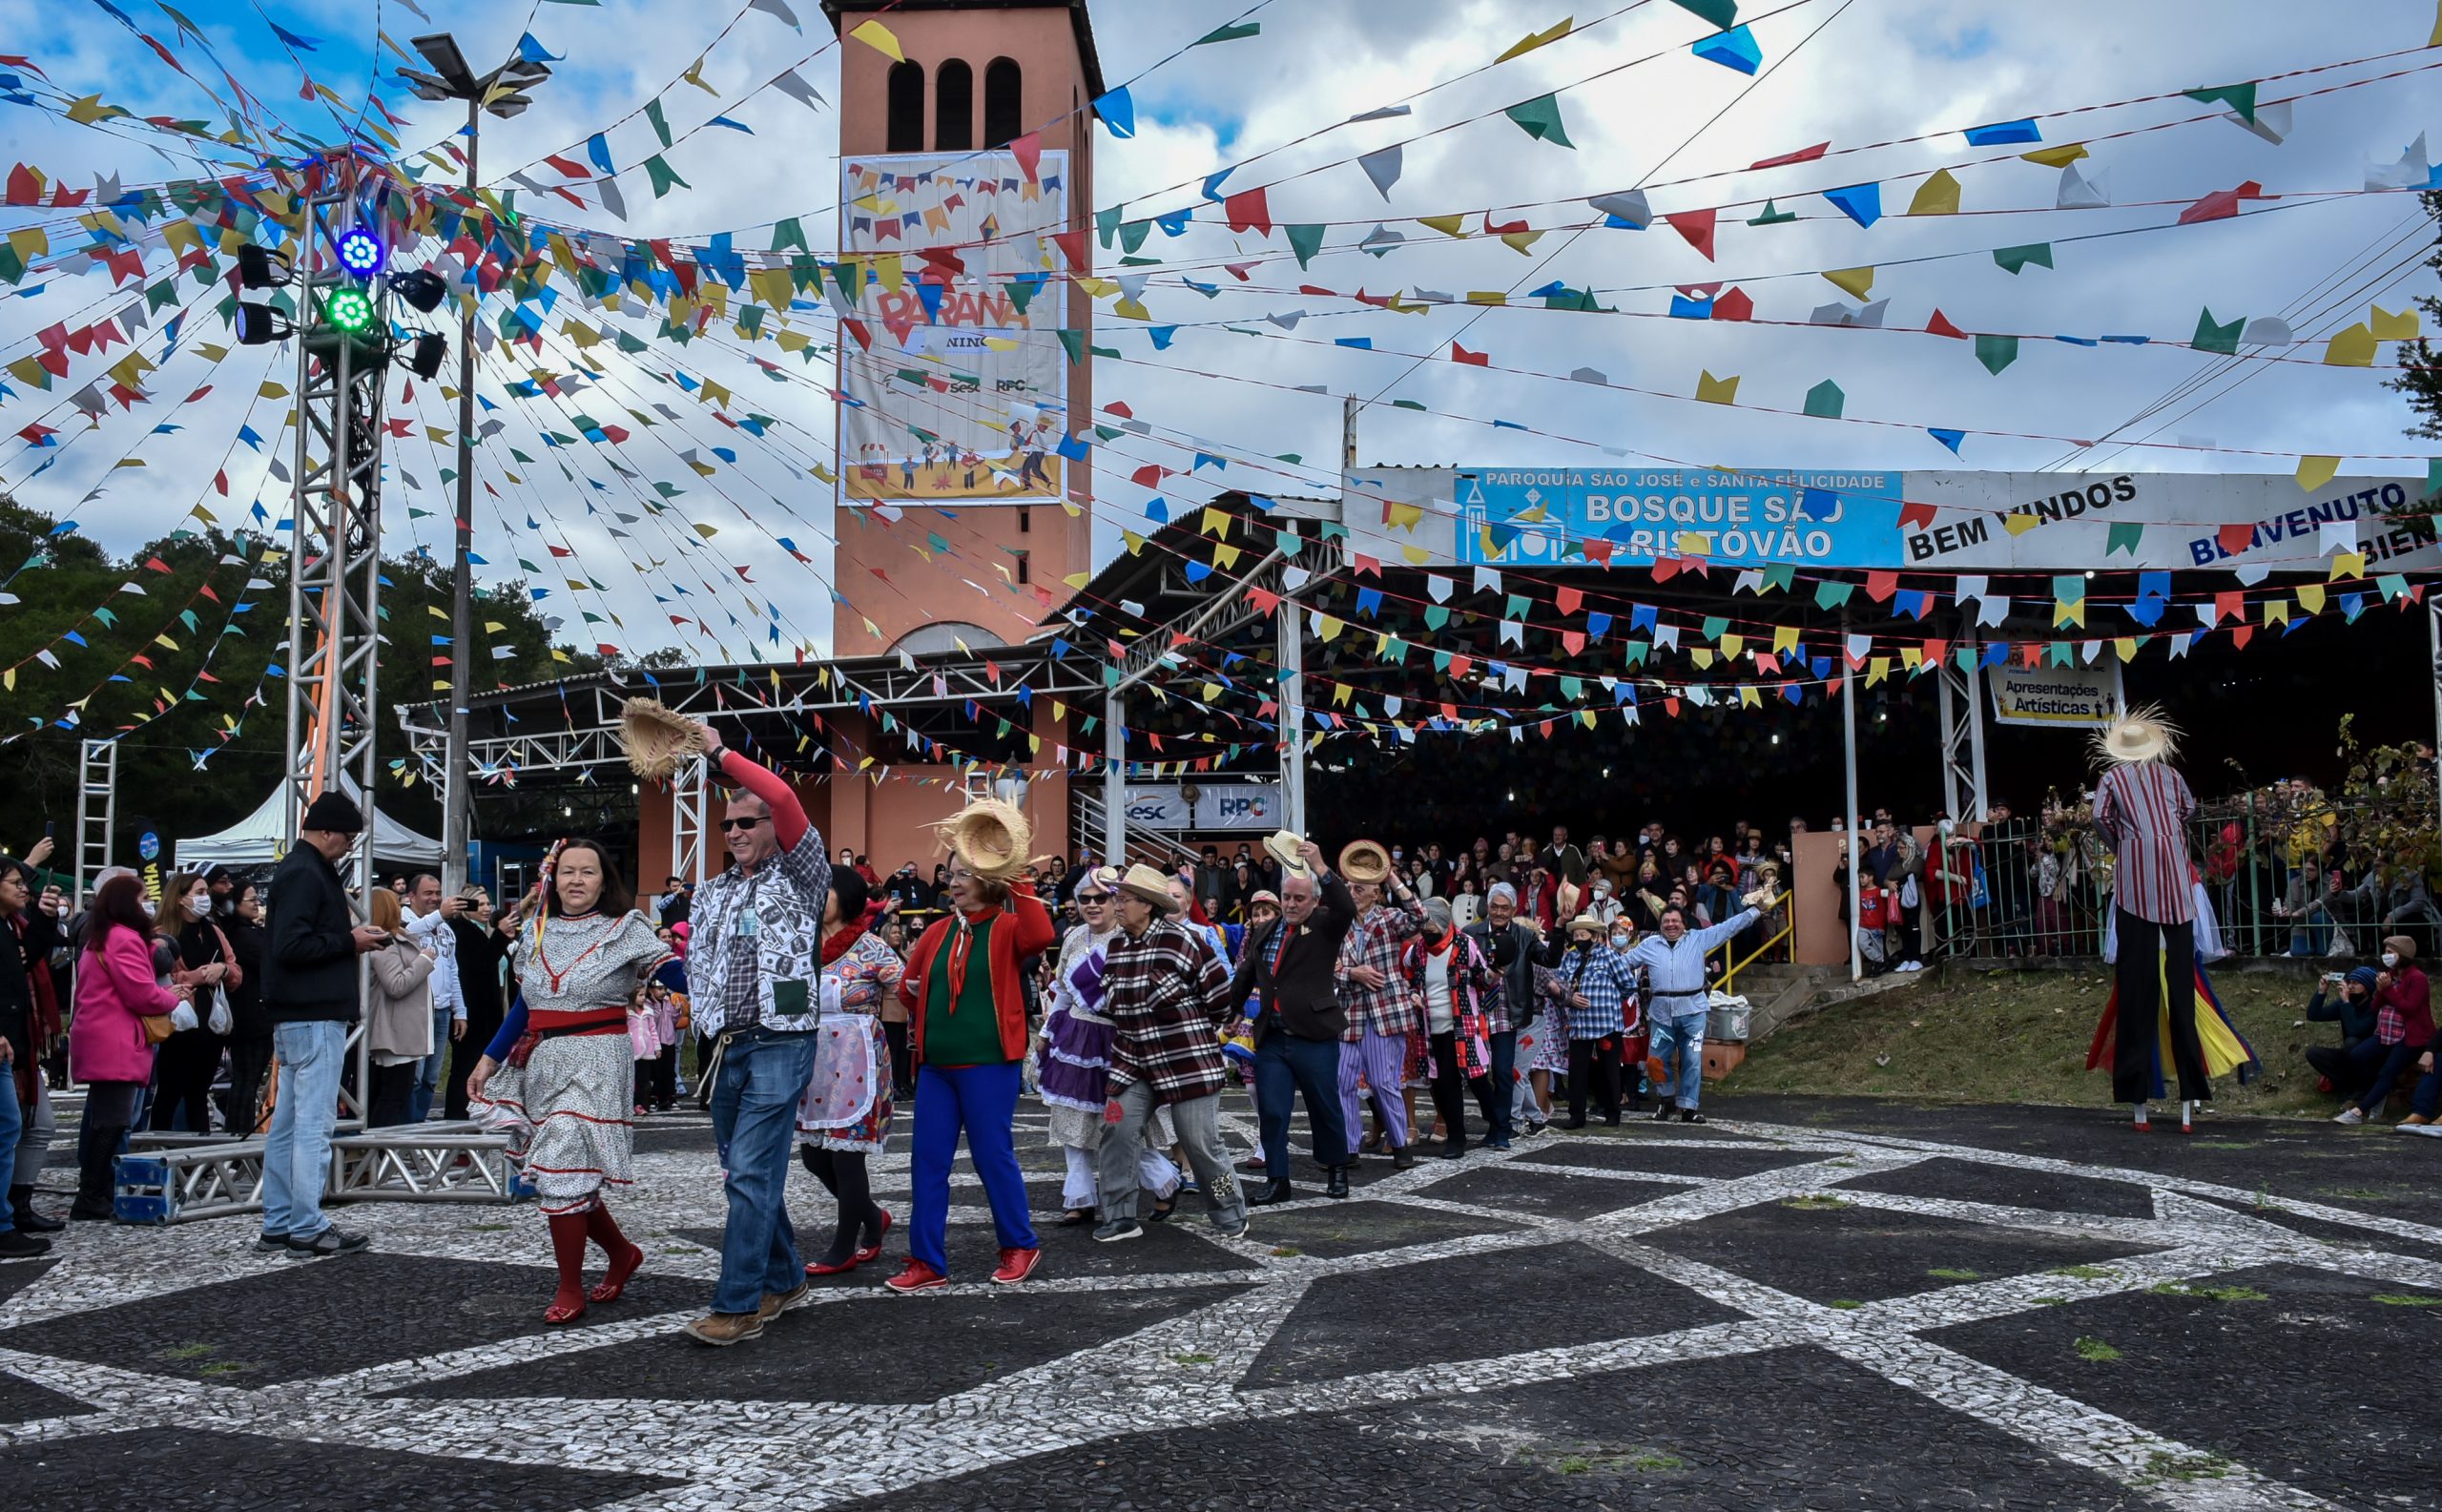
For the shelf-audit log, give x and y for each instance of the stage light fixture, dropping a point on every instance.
(425, 355)
(348, 310)
(262, 268)
(360, 252)
(424, 289)
(260, 325)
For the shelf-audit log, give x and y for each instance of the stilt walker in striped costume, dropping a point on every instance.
(2142, 808)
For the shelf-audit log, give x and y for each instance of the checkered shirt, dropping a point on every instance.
(1374, 940)
(1167, 994)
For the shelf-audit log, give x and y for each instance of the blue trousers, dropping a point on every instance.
(296, 1151)
(1286, 1067)
(754, 1104)
(1678, 1045)
(982, 1101)
(13, 1122)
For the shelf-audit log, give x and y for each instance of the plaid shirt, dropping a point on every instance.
(1607, 980)
(1374, 940)
(1166, 995)
(2404, 1011)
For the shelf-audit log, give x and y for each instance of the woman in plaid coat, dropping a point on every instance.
(1448, 973)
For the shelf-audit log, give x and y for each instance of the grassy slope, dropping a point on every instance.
(2021, 1037)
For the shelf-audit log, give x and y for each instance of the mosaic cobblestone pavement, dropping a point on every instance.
(1802, 1305)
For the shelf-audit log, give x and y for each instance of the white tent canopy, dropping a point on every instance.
(262, 837)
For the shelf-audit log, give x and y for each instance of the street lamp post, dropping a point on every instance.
(503, 92)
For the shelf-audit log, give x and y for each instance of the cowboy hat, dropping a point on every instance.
(990, 836)
(657, 739)
(2140, 734)
(1288, 848)
(1588, 922)
(1151, 886)
(1364, 861)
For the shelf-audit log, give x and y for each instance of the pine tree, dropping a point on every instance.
(2420, 373)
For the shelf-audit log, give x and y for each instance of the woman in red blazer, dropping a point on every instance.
(966, 1028)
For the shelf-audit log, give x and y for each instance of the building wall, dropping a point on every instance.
(921, 591)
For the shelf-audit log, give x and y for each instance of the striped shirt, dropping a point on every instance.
(1373, 940)
(2142, 808)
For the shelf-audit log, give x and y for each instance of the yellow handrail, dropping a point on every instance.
(1730, 977)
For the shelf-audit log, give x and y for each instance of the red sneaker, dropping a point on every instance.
(1016, 1265)
(873, 1251)
(919, 1277)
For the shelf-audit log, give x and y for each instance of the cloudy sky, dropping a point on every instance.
(1639, 108)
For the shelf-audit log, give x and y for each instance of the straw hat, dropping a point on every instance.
(1288, 848)
(990, 836)
(1588, 922)
(2140, 734)
(1364, 861)
(1151, 886)
(657, 739)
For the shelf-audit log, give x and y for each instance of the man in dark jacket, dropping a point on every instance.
(310, 994)
(1514, 946)
(1288, 965)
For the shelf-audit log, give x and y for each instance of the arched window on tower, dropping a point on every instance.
(906, 108)
(1003, 112)
(954, 107)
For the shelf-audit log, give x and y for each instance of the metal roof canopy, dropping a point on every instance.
(583, 710)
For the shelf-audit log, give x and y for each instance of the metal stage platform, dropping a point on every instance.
(175, 1178)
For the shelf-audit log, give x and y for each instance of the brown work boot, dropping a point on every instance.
(775, 1303)
(724, 1329)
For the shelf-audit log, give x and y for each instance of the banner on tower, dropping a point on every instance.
(952, 302)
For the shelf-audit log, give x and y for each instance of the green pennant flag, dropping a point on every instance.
(2212, 338)
(1997, 352)
(1774, 215)
(1132, 235)
(751, 321)
(1780, 575)
(660, 122)
(1722, 14)
(1436, 615)
(1305, 241)
(788, 234)
(1075, 343)
(1540, 119)
(2125, 535)
(663, 177)
(1638, 651)
(631, 342)
(1230, 33)
(1022, 293)
(1832, 595)
(2012, 259)
(1106, 224)
(1824, 401)
(2240, 97)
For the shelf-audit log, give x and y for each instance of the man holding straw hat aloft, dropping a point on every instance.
(1168, 998)
(2142, 808)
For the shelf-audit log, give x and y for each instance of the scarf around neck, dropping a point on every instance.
(963, 947)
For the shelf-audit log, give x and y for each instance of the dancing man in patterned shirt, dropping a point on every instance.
(1383, 1015)
(754, 961)
(1168, 997)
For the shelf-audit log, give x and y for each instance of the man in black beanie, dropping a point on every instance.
(310, 996)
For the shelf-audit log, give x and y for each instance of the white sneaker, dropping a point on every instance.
(2429, 1130)
(2348, 1115)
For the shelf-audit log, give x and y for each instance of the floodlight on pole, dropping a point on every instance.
(348, 310)
(361, 253)
(424, 289)
(260, 325)
(262, 268)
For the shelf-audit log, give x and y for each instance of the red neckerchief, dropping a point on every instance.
(962, 945)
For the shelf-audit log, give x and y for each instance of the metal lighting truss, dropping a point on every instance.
(182, 1179)
(96, 812)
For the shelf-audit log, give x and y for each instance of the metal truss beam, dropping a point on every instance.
(182, 1181)
(96, 812)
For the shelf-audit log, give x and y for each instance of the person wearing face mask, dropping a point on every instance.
(2403, 1028)
(1451, 977)
(204, 962)
(1596, 988)
(1288, 967)
(2349, 1003)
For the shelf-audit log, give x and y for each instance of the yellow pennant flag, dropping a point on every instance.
(2061, 156)
(1937, 195)
(2313, 472)
(1714, 390)
(1854, 281)
(1536, 39)
(2353, 347)
(882, 40)
(2390, 327)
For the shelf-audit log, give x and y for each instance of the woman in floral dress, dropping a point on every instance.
(559, 1077)
(845, 1114)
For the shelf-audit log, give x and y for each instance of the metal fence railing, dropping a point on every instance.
(2308, 878)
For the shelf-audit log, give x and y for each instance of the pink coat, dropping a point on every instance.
(115, 986)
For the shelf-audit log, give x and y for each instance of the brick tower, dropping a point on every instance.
(953, 163)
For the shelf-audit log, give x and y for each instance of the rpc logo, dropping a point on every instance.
(1256, 807)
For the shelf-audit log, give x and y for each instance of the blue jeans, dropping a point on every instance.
(428, 1070)
(1285, 1065)
(296, 1152)
(755, 1103)
(982, 1102)
(1497, 1093)
(1678, 1045)
(12, 1124)
(2310, 932)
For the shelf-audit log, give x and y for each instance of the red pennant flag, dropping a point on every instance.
(1072, 246)
(1940, 325)
(1568, 600)
(1915, 515)
(1734, 306)
(1120, 408)
(1028, 150)
(2236, 538)
(573, 170)
(1599, 552)
(1459, 354)
(1247, 211)
(2231, 604)
(157, 563)
(1804, 155)
(221, 482)
(1881, 586)
(1697, 226)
